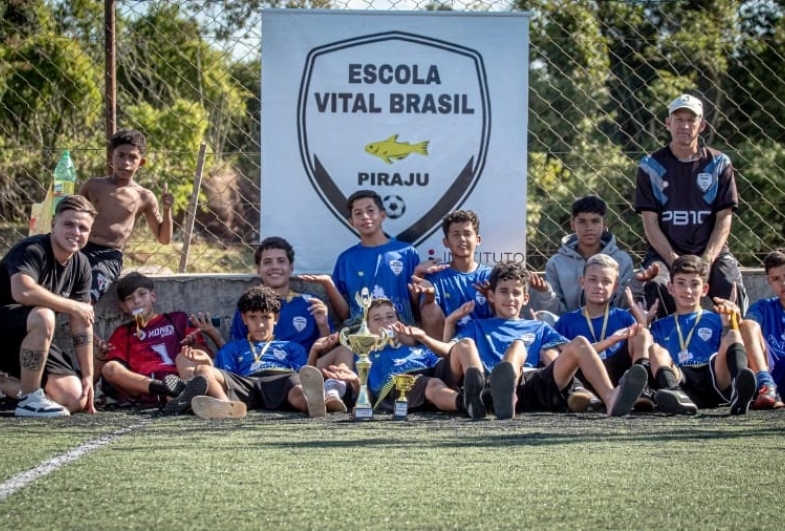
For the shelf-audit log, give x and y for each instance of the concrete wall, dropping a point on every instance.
(209, 293)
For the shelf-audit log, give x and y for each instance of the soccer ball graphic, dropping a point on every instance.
(395, 206)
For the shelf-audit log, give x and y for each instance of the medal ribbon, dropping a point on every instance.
(604, 323)
(256, 357)
(682, 343)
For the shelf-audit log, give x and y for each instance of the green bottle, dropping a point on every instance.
(64, 179)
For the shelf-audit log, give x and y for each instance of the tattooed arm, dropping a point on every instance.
(82, 335)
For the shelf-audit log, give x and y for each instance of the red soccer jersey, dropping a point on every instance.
(152, 352)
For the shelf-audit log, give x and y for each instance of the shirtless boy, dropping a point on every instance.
(120, 201)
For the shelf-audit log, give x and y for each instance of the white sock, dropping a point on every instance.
(338, 386)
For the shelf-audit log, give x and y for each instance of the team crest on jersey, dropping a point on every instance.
(279, 354)
(380, 111)
(704, 333)
(299, 323)
(479, 298)
(527, 339)
(704, 181)
(396, 266)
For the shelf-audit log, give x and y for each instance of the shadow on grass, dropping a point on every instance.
(295, 432)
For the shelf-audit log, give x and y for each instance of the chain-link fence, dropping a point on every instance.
(188, 72)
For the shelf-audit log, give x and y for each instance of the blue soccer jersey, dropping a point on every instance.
(454, 288)
(692, 340)
(385, 270)
(574, 324)
(247, 358)
(769, 314)
(295, 322)
(397, 360)
(493, 336)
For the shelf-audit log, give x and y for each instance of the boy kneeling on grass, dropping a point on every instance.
(147, 357)
(259, 372)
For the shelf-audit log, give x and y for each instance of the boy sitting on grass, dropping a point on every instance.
(621, 337)
(763, 331)
(439, 375)
(697, 360)
(258, 372)
(143, 357)
(530, 365)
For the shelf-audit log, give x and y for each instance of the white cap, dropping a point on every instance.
(685, 101)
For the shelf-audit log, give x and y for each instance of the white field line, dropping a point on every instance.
(23, 479)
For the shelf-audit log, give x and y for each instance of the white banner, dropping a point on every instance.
(428, 109)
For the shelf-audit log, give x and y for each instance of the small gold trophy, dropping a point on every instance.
(362, 343)
(404, 384)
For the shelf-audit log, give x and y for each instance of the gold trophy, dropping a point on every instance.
(404, 384)
(362, 343)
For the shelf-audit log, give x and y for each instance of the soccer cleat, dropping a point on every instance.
(627, 392)
(674, 402)
(182, 402)
(36, 404)
(503, 390)
(766, 399)
(743, 389)
(207, 407)
(473, 384)
(174, 385)
(313, 388)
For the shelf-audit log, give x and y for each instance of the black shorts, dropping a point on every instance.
(700, 383)
(106, 263)
(539, 391)
(13, 330)
(442, 371)
(265, 390)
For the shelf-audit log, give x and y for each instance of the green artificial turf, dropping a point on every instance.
(282, 471)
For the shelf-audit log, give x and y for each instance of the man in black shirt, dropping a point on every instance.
(686, 196)
(40, 277)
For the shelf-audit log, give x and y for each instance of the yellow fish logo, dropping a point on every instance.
(392, 149)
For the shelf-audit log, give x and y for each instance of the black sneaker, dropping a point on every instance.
(182, 402)
(473, 384)
(674, 402)
(645, 402)
(503, 390)
(743, 390)
(174, 385)
(629, 389)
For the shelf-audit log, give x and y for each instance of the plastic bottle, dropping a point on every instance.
(64, 179)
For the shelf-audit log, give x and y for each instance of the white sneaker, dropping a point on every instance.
(207, 407)
(36, 404)
(333, 402)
